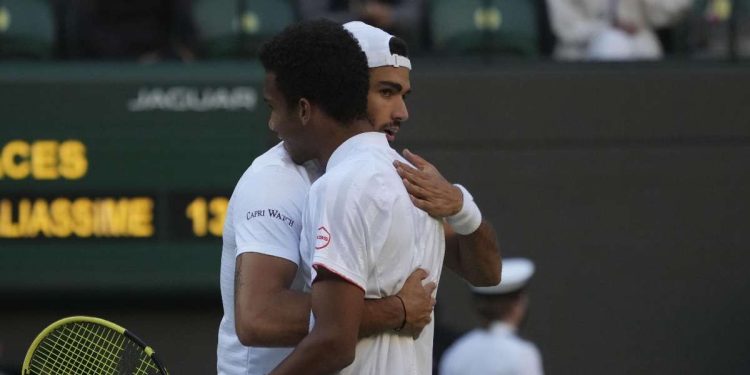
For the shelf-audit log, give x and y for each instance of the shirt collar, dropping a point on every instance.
(354, 144)
(500, 327)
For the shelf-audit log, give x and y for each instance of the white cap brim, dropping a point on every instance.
(375, 43)
(516, 273)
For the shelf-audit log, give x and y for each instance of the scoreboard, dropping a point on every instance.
(116, 177)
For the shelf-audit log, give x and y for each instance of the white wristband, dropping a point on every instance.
(467, 220)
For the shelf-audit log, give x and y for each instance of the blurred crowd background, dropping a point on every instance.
(187, 30)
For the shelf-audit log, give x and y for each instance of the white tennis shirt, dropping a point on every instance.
(360, 223)
(264, 216)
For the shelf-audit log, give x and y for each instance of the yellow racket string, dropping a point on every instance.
(90, 346)
(79, 348)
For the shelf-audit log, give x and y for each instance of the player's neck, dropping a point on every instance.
(337, 135)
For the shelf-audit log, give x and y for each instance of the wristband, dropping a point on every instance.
(467, 220)
(403, 324)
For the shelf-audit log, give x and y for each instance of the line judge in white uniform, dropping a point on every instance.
(495, 348)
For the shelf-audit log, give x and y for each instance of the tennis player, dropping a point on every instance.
(471, 248)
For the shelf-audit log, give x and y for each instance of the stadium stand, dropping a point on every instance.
(27, 29)
(485, 26)
(217, 24)
(236, 28)
(717, 29)
(128, 30)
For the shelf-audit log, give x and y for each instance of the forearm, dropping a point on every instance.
(315, 354)
(279, 326)
(381, 315)
(286, 322)
(283, 320)
(476, 256)
(331, 344)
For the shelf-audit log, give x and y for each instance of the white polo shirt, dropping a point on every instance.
(264, 216)
(493, 351)
(361, 224)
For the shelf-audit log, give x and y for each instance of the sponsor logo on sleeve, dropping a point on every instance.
(271, 214)
(322, 238)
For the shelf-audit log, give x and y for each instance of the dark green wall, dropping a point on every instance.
(628, 185)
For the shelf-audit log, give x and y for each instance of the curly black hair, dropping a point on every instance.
(322, 62)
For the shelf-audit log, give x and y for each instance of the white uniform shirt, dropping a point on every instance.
(361, 224)
(578, 24)
(264, 216)
(494, 351)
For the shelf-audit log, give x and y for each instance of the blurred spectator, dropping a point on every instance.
(711, 28)
(400, 17)
(612, 29)
(145, 30)
(495, 348)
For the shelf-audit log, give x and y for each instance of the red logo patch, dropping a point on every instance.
(322, 238)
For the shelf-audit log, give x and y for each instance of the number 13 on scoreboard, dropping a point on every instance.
(207, 216)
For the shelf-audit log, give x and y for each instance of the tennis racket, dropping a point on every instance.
(87, 345)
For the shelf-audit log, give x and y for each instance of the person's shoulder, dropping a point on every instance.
(466, 342)
(528, 347)
(362, 175)
(274, 164)
(375, 163)
(527, 356)
(275, 158)
(269, 178)
(458, 351)
(522, 347)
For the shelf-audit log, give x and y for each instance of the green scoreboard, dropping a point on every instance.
(116, 177)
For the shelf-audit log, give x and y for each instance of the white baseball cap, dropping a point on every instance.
(375, 43)
(516, 274)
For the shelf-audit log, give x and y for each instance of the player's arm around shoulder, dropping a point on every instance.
(471, 247)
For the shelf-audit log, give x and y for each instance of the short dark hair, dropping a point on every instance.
(322, 62)
(496, 306)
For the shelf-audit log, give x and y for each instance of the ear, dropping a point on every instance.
(304, 110)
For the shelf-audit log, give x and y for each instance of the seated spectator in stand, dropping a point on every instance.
(710, 29)
(612, 29)
(400, 17)
(144, 30)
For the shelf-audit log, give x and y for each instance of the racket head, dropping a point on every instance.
(84, 344)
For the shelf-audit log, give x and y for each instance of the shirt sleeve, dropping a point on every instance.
(342, 232)
(267, 214)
